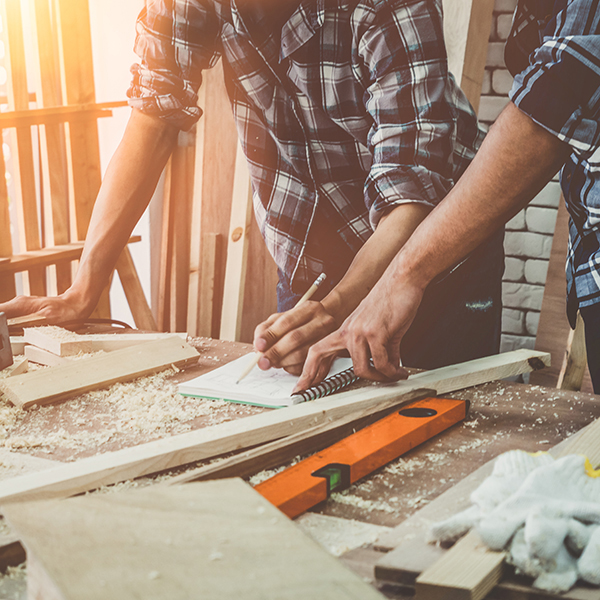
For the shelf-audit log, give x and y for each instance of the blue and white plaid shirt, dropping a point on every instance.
(560, 90)
(345, 112)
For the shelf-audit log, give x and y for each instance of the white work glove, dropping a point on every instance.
(547, 520)
(509, 472)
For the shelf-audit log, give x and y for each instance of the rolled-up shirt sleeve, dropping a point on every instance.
(560, 89)
(175, 40)
(413, 137)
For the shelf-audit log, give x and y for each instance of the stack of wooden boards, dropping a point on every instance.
(127, 357)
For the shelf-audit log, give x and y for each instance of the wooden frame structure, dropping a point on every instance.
(54, 170)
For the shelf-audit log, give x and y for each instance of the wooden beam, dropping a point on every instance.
(51, 340)
(467, 26)
(65, 381)
(43, 357)
(280, 451)
(216, 540)
(237, 251)
(574, 364)
(231, 436)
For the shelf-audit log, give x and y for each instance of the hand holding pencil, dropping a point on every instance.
(278, 326)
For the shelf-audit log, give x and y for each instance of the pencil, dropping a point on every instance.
(307, 295)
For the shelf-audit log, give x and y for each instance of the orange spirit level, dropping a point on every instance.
(311, 481)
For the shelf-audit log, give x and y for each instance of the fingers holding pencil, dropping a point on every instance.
(283, 339)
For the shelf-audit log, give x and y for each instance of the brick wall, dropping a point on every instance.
(529, 234)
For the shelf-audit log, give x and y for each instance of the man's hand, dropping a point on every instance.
(284, 338)
(373, 331)
(57, 309)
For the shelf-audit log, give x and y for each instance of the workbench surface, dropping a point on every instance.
(503, 416)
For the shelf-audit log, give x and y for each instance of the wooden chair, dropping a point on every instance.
(49, 182)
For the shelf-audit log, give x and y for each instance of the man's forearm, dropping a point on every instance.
(127, 188)
(516, 160)
(373, 259)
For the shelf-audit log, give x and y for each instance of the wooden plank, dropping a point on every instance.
(47, 256)
(53, 151)
(166, 251)
(237, 252)
(280, 451)
(17, 344)
(412, 555)
(209, 276)
(19, 366)
(227, 437)
(198, 240)
(52, 385)
(553, 329)
(140, 310)
(61, 342)
(159, 543)
(467, 26)
(33, 320)
(43, 357)
(574, 364)
(21, 143)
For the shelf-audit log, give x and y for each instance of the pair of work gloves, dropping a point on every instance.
(544, 512)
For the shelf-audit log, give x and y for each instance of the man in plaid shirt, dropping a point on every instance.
(353, 130)
(552, 122)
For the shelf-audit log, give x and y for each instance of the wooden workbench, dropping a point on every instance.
(503, 416)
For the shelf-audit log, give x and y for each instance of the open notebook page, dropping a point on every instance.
(272, 388)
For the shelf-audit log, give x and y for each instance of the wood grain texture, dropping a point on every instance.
(228, 437)
(280, 451)
(94, 342)
(237, 251)
(197, 540)
(553, 329)
(65, 381)
(574, 365)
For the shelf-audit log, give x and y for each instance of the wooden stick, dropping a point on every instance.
(167, 453)
(307, 295)
(65, 381)
(276, 453)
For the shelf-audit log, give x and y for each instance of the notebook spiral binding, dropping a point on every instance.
(327, 386)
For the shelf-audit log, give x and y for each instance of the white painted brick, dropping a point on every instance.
(527, 244)
(491, 106)
(514, 342)
(505, 5)
(513, 321)
(532, 320)
(541, 219)
(486, 87)
(495, 55)
(536, 271)
(502, 81)
(514, 269)
(549, 196)
(503, 25)
(522, 295)
(517, 223)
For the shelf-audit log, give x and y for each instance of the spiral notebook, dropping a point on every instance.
(272, 388)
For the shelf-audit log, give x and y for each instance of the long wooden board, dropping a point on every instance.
(468, 570)
(194, 541)
(280, 451)
(65, 381)
(236, 435)
(73, 344)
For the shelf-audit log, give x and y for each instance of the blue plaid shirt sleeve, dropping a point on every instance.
(560, 87)
(176, 42)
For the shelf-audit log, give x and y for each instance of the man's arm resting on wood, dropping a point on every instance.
(516, 160)
(286, 336)
(126, 190)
